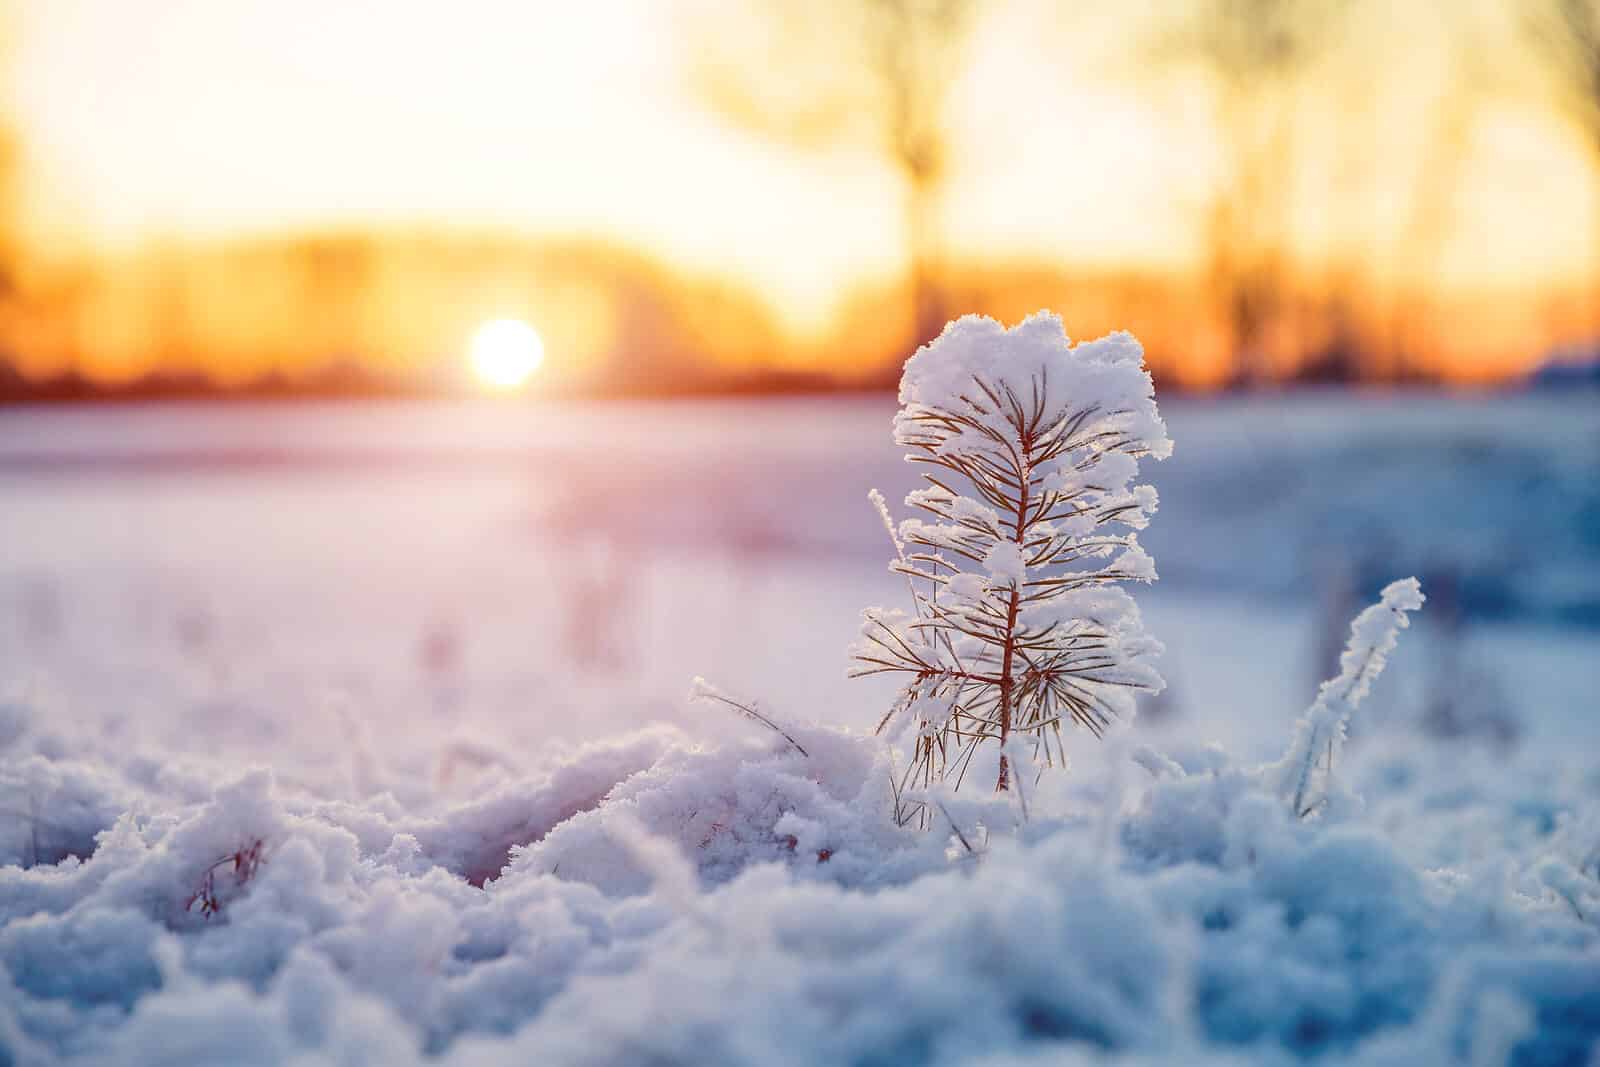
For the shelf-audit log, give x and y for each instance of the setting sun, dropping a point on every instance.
(506, 352)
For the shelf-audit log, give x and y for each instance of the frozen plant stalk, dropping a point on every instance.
(1018, 622)
(1305, 774)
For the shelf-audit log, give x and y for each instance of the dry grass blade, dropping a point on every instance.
(704, 691)
(959, 835)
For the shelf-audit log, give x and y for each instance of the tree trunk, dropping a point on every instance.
(927, 299)
(1008, 655)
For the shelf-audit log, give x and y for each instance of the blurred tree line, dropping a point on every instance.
(881, 70)
(387, 311)
(9, 168)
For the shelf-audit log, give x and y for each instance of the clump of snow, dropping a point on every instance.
(1035, 361)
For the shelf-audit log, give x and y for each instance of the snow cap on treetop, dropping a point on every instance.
(1107, 374)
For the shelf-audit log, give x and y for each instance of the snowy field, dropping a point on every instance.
(433, 660)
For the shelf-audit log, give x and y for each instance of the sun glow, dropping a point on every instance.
(505, 353)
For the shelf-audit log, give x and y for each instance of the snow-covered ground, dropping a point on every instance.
(407, 647)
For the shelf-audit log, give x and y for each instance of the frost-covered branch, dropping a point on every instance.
(1305, 774)
(1029, 523)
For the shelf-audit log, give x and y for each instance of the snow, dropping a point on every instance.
(1106, 376)
(1320, 735)
(509, 852)
(693, 916)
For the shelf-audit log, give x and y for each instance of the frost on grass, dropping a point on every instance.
(1305, 776)
(1019, 621)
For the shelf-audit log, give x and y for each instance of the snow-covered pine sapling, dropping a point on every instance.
(1018, 622)
(1305, 774)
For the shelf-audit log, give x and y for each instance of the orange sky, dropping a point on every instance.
(195, 118)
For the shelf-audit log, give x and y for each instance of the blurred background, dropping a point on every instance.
(714, 195)
(591, 314)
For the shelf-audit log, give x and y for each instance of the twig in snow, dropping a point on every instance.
(701, 690)
(959, 835)
(246, 861)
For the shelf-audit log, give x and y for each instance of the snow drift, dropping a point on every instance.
(745, 903)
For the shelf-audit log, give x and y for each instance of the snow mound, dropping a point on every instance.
(669, 902)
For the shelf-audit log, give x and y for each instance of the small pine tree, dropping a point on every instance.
(1018, 622)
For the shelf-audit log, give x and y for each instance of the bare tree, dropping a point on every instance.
(9, 166)
(10, 241)
(1254, 50)
(8, 211)
(1432, 209)
(1566, 35)
(877, 69)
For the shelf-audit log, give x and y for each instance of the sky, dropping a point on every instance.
(160, 116)
(146, 119)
